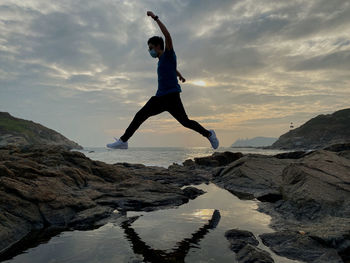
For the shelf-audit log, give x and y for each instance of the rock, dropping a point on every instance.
(189, 163)
(338, 147)
(291, 155)
(299, 247)
(252, 254)
(270, 197)
(318, 184)
(49, 186)
(192, 192)
(253, 176)
(83, 219)
(345, 154)
(175, 174)
(305, 194)
(316, 198)
(342, 149)
(239, 238)
(309, 193)
(244, 243)
(217, 159)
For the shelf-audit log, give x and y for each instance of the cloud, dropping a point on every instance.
(82, 67)
(339, 60)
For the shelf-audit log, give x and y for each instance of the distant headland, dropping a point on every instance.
(20, 132)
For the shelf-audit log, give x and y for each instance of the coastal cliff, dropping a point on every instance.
(319, 132)
(16, 131)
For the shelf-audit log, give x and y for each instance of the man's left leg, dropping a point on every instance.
(177, 110)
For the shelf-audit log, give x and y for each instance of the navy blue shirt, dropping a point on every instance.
(167, 77)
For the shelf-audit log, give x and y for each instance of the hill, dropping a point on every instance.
(24, 132)
(319, 132)
(254, 142)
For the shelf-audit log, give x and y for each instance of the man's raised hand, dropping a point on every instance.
(150, 13)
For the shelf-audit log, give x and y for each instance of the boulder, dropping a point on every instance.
(318, 184)
(253, 176)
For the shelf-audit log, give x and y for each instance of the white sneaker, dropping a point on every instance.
(118, 144)
(213, 140)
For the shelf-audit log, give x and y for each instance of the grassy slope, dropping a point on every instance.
(31, 131)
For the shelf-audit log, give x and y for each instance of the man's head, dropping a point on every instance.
(156, 43)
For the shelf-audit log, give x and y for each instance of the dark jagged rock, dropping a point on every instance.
(239, 238)
(16, 131)
(217, 159)
(300, 247)
(270, 197)
(192, 192)
(291, 155)
(252, 254)
(338, 147)
(244, 243)
(342, 149)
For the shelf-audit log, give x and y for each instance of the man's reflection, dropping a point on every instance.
(176, 255)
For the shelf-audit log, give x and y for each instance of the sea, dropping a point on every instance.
(162, 156)
(175, 234)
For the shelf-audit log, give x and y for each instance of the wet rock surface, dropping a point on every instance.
(299, 246)
(307, 195)
(252, 254)
(253, 176)
(49, 186)
(244, 244)
(239, 238)
(310, 194)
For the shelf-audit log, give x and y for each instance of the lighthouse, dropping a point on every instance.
(291, 126)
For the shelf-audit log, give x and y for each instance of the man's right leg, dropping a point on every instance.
(152, 107)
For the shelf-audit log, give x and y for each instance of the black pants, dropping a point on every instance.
(170, 102)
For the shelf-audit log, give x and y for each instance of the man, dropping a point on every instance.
(167, 97)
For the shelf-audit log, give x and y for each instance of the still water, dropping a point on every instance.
(193, 232)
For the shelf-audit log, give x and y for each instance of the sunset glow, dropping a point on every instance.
(251, 67)
(199, 83)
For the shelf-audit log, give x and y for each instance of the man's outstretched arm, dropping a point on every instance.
(168, 40)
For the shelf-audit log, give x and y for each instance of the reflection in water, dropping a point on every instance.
(133, 236)
(179, 253)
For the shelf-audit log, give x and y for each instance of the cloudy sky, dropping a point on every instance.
(82, 67)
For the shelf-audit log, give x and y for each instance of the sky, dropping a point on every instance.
(83, 69)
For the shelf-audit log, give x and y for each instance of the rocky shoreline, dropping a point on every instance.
(306, 194)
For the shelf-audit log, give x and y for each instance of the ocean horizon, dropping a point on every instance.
(163, 156)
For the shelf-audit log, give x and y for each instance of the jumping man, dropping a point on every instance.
(167, 97)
